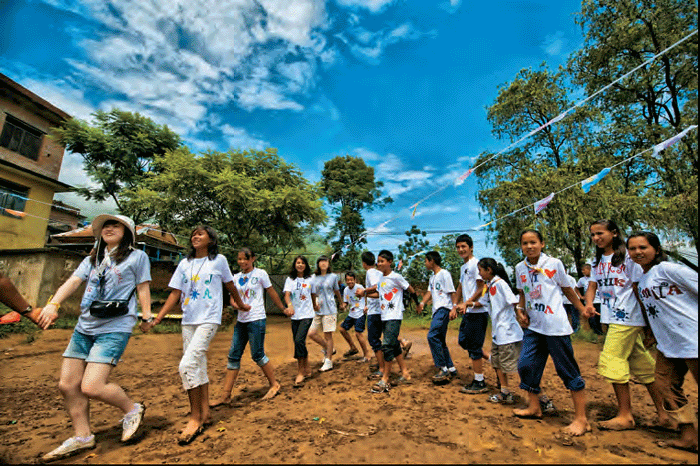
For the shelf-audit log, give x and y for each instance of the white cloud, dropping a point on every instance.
(554, 44)
(375, 6)
(238, 138)
(63, 95)
(369, 46)
(450, 6)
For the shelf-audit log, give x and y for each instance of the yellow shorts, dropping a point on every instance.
(624, 354)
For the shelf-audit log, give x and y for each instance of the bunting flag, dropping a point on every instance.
(15, 213)
(459, 181)
(333, 256)
(593, 180)
(670, 141)
(542, 203)
(483, 226)
(400, 264)
(415, 208)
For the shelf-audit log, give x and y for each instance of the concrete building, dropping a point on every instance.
(30, 161)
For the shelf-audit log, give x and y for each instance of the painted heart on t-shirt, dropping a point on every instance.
(388, 296)
(394, 290)
(492, 290)
(242, 280)
(550, 273)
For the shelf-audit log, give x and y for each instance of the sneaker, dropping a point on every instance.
(442, 378)
(546, 405)
(452, 374)
(477, 386)
(70, 447)
(380, 387)
(132, 421)
(502, 398)
(327, 365)
(349, 353)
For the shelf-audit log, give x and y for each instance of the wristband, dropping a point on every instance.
(148, 321)
(58, 305)
(519, 307)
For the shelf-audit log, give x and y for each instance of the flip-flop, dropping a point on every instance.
(401, 381)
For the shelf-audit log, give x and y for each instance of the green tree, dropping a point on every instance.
(412, 263)
(118, 149)
(654, 103)
(557, 157)
(252, 198)
(349, 185)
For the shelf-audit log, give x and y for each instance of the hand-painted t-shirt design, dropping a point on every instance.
(251, 287)
(441, 289)
(618, 303)
(324, 287)
(356, 305)
(390, 290)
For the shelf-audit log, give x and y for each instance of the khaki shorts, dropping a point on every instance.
(326, 323)
(505, 357)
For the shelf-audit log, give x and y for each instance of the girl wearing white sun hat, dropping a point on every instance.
(115, 273)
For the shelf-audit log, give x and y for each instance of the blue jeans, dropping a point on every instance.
(533, 358)
(300, 328)
(374, 331)
(244, 332)
(472, 332)
(573, 314)
(103, 348)
(436, 338)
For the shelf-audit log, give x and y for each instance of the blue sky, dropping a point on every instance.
(403, 84)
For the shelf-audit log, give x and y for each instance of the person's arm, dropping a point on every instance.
(236, 301)
(143, 290)
(427, 297)
(520, 314)
(338, 296)
(289, 311)
(49, 313)
(478, 292)
(170, 302)
(275, 298)
(590, 296)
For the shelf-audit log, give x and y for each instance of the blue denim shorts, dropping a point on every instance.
(244, 333)
(358, 323)
(104, 348)
(374, 331)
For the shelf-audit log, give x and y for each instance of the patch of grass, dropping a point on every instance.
(585, 334)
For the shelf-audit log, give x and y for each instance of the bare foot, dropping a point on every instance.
(224, 401)
(299, 378)
(687, 445)
(272, 391)
(191, 430)
(578, 427)
(617, 423)
(528, 413)
(666, 423)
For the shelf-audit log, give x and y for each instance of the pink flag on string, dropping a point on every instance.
(459, 181)
(398, 267)
(542, 203)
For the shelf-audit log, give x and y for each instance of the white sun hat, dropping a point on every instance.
(100, 220)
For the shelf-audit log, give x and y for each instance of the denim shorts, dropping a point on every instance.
(374, 331)
(103, 348)
(244, 333)
(391, 347)
(358, 323)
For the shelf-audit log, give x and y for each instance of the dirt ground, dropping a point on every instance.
(332, 419)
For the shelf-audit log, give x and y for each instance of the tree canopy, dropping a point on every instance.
(118, 149)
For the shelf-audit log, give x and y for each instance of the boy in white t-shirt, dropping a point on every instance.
(390, 292)
(356, 317)
(440, 289)
(472, 329)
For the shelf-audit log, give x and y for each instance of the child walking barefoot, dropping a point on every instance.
(547, 330)
(251, 283)
(196, 286)
(297, 295)
(614, 275)
(669, 293)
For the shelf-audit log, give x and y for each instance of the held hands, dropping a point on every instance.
(289, 311)
(146, 326)
(453, 312)
(522, 317)
(589, 311)
(461, 308)
(48, 316)
(648, 340)
(420, 307)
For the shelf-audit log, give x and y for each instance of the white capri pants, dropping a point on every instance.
(195, 344)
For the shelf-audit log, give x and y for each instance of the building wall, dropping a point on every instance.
(27, 232)
(50, 153)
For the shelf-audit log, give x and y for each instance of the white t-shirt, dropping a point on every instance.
(355, 303)
(583, 283)
(324, 287)
(391, 296)
(372, 278)
(119, 282)
(619, 305)
(670, 295)
(543, 295)
(572, 283)
(300, 291)
(500, 299)
(441, 289)
(200, 281)
(251, 286)
(468, 275)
